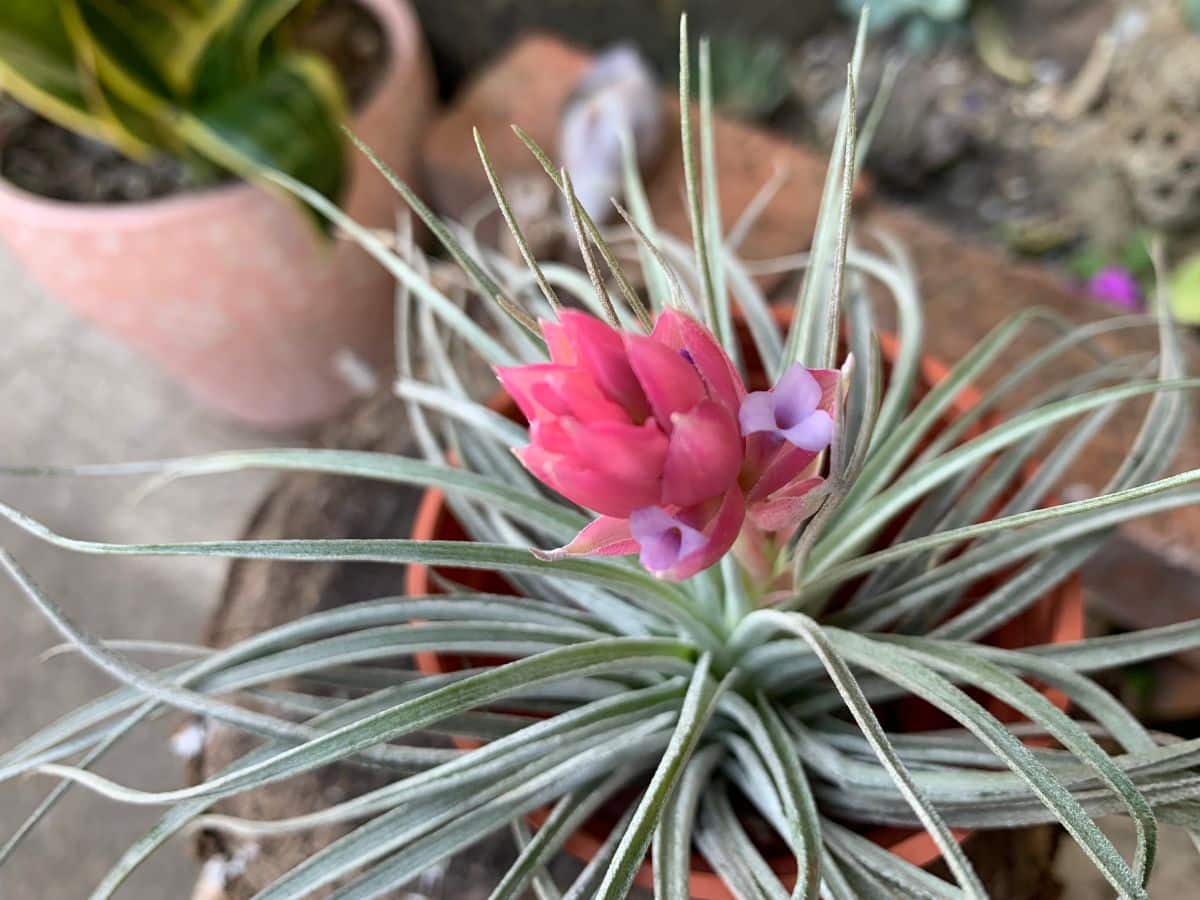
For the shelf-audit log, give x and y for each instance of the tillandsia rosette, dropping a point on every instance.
(763, 560)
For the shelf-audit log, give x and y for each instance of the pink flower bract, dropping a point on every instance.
(619, 422)
(657, 434)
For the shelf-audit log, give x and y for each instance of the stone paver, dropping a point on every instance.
(1176, 871)
(69, 395)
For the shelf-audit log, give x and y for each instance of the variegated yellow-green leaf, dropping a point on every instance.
(212, 80)
(1185, 291)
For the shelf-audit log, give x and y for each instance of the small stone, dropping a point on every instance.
(949, 73)
(1016, 188)
(992, 209)
(364, 42)
(1048, 72)
(1130, 25)
(188, 741)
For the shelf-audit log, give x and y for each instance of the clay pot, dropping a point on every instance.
(1057, 618)
(231, 290)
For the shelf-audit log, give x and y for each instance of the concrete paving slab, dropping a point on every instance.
(69, 394)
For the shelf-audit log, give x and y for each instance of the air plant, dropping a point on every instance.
(690, 703)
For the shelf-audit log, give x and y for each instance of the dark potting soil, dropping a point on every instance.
(44, 158)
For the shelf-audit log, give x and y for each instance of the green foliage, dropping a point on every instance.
(683, 706)
(1185, 291)
(749, 76)
(888, 13)
(1191, 13)
(1133, 256)
(214, 82)
(926, 23)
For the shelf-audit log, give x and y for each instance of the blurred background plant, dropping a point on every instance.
(1185, 291)
(118, 120)
(1191, 13)
(925, 22)
(220, 86)
(749, 76)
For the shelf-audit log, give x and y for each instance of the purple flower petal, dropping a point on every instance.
(796, 396)
(662, 538)
(757, 413)
(813, 433)
(789, 411)
(1116, 286)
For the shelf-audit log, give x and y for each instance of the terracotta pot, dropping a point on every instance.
(1057, 618)
(231, 290)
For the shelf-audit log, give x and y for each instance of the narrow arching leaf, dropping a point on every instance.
(1030, 702)
(875, 656)
(487, 346)
(514, 227)
(698, 706)
(919, 479)
(809, 340)
(627, 292)
(691, 180)
(435, 826)
(725, 844)
(672, 843)
(711, 209)
(564, 820)
(813, 635)
(486, 283)
(433, 553)
(605, 655)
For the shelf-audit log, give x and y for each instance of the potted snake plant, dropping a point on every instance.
(229, 288)
(710, 592)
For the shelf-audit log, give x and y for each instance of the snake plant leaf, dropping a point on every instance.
(152, 44)
(212, 82)
(256, 127)
(247, 40)
(41, 67)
